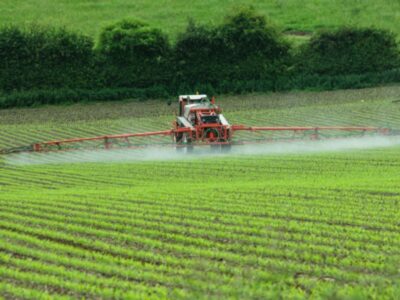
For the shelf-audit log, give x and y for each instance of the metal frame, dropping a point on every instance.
(198, 133)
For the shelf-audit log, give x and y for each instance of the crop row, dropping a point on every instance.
(357, 260)
(145, 213)
(289, 226)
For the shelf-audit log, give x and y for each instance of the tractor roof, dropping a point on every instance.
(193, 97)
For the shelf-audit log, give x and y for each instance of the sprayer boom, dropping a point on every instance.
(200, 122)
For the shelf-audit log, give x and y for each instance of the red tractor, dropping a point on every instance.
(200, 121)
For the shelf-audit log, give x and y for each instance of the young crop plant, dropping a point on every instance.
(310, 225)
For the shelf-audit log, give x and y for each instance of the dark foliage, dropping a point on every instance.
(61, 96)
(243, 48)
(40, 57)
(349, 51)
(132, 54)
(132, 60)
(254, 50)
(198, 56)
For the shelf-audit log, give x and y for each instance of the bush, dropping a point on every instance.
(242, 48)
(41, 57)
(253, 48)
(131, 54)
(349, 51)
(40, 65)
(198, 55)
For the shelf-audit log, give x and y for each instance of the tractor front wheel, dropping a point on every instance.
(211, 135)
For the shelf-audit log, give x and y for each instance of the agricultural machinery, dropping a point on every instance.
(200, 122)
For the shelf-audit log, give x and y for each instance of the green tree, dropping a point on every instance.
(42, 57)
(349, 51)
(243, 48)
(134, 54)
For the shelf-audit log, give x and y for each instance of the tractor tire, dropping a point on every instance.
(211, 132)
(178, 138)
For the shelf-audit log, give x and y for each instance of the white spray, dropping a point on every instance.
(170, 153)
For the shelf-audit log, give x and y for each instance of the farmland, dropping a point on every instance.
(374, 106)
(321, 226)
(297, 17)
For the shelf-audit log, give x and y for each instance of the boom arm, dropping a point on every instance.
(284, 128)
(106, 141)
(314, 132)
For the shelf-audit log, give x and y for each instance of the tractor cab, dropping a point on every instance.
(200, 120)
(186, 102)
(198, 109)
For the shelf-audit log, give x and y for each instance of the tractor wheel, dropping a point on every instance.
(211, 135)
(178, 138)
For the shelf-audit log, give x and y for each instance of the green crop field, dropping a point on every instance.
(294, 16)
(374, 107)
(320, 225)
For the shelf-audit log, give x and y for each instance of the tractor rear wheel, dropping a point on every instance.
(178, 137)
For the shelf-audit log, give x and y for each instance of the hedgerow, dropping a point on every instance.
(243, 48)
(132, 54)
(349, 51)
(41, 65)
(67, 95)
(44, 57)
